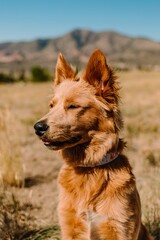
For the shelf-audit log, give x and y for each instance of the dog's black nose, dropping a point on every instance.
(41, 128)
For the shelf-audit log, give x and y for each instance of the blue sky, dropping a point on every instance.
(31, 19)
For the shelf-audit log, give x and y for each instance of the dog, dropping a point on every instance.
(98, 199)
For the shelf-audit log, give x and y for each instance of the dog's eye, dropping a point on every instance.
(72, 106)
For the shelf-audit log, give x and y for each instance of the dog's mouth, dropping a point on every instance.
(62, 144)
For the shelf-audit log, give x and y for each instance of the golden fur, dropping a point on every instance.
(99, 202)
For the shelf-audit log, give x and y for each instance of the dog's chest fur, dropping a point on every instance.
(96, 193)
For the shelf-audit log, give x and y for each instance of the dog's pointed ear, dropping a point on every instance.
(63, 70)
(97, 70)
(99, 75)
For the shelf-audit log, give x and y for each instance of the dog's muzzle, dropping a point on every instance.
(40, 128)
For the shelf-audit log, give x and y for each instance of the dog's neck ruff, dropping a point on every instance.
(109, 157)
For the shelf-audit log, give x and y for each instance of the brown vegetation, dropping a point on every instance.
(140, 92)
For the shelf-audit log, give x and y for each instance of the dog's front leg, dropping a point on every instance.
(73, 227)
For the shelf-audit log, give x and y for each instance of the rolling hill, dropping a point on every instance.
(122, 51)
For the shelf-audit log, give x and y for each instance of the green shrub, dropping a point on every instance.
(39, 74)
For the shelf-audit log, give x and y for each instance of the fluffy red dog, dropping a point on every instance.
(98, 198)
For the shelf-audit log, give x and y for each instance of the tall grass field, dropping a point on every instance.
(28, 170)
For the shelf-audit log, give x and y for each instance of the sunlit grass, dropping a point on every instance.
(22, 105)
(11, 168)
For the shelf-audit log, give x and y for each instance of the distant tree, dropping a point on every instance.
(39, 74)
(6, 78)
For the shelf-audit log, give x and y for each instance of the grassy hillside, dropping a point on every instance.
(29, 212)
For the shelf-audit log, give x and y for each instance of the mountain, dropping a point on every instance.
(121, 51)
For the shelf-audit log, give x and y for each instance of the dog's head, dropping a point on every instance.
(82, 105)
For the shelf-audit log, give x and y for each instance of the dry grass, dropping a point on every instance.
(14, 218)
(141, 115)
(142, 131)
(11, 168)
(140, 107)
